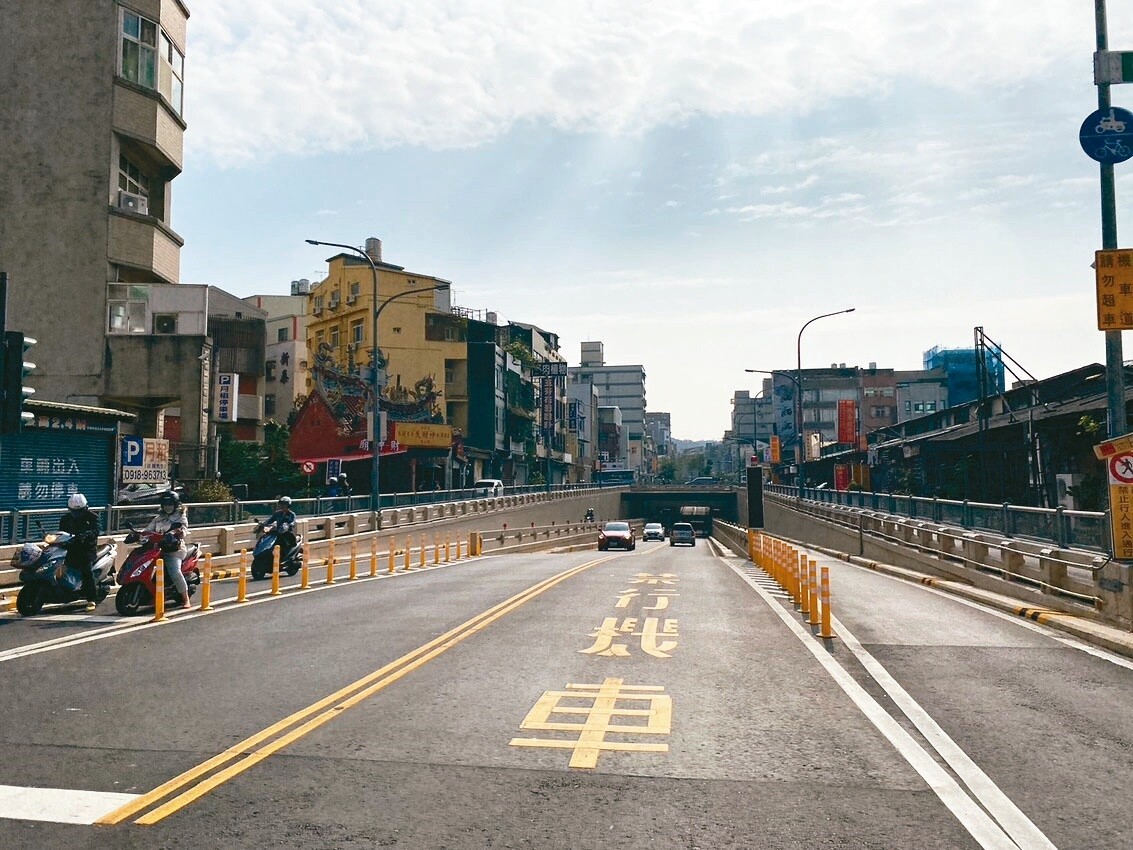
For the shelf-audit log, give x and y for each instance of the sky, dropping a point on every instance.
(688, 182)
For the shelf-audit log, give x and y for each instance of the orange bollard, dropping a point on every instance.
(353, 560)
(824, 631)
(373, 556)
(392, 552)
(448, 543)
(436, 548)
(812, 580)
(408, 553)
(206, 584)
(275, 571)
(421, 562)
(159, 591)
(305, 570)
(330, 563)
(804, 586)
(242, 577)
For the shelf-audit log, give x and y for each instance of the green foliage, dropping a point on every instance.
(211, 491)
(668, 471)
(1088, 426)
(521, 353)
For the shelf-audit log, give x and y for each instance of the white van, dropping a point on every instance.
(489, 487)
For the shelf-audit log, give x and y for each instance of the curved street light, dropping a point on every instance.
(375, 407)
(799, 385)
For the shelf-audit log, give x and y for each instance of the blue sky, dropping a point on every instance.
(688, 183)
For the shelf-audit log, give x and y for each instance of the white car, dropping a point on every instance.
(489, 487)
(653, 531)
(144, 494)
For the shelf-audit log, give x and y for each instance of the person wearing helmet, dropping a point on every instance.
(172, 522)
(344, 488)
(82, 524)
(284, 520)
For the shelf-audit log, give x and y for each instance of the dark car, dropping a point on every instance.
(653, 531)
(616, 535)
(682, 532)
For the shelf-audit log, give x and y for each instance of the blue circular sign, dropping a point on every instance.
(1107, 135)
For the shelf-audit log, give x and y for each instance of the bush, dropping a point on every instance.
(211, 491)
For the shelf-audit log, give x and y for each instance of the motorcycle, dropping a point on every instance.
(136, 578)
(589, 515)
(263, 557)
(47, 580)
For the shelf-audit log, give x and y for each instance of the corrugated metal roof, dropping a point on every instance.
(122, 415)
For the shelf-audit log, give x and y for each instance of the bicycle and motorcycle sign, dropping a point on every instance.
(1107, 135)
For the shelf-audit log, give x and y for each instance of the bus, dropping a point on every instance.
(699, 517)
(615, 477)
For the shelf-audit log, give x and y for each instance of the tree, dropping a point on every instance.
(264, 468)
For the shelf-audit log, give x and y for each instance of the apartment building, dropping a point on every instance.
(622, 387)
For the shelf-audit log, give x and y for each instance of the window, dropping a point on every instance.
(888, 392)
(397, 330)
(320, 337)
(356, 332)
(130, 177)
(269, 405)
(334, 339)
(908, 407)
(126, 309)
(879, 412)
(355, 288)
(930, 407)
(139, 50)
(282, 335)
(450, 375)
(869, 392)
(269, 370)
(171, 73)
(318, 304)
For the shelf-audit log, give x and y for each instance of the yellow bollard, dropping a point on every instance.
(422, 560)
(436, 548)
(751, 545)
(448, 543)
(330, 563)
(812, 581)
(804, 587)
(373, 556)
(471, 543)
(275, 591)
(353, 560)
(392, 552)
(458, 542)
(305, 570)
(159, 591)
(824, 631)
(408, 553)
(242, 577)
(206, 584)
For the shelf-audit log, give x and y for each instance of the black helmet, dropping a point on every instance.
(169, 501)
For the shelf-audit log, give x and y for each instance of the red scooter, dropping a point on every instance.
(136, 589)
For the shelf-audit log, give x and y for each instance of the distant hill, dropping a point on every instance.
(686, 445)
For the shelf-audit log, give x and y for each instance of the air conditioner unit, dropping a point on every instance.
(317, 311)
(133, 203)
(350, 299)
(332, 303)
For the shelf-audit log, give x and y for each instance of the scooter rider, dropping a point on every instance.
(82, 524)
(284, 520)
(174, 524)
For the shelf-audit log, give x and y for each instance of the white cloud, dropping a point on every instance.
(269, 77)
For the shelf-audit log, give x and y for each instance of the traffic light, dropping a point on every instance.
(16, 369)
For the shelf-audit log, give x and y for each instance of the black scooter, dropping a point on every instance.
(290, 560)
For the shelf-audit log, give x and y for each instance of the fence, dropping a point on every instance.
(1060, 526)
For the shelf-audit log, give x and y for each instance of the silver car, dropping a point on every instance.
(682, 532)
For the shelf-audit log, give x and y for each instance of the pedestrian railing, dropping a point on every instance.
(1059, 526)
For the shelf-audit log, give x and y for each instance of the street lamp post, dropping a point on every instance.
(799, 384)
(375, 409)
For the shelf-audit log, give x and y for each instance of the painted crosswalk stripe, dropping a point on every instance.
(58, 805)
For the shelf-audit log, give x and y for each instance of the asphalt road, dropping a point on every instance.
(667, 697)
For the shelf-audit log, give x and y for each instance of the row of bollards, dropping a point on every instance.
(473, 547)
(806, 585)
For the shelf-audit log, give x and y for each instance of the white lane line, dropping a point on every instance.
(1013, 821)
(974, 819)
(58, 805)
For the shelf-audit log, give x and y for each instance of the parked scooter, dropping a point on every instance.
(136, 589)
(263, 557)
(47, 580)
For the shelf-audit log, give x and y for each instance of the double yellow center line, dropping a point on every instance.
(200, 780)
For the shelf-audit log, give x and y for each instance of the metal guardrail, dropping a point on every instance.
(1060, 526)
(21, 526)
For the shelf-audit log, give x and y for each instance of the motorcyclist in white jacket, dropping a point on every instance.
(172, 521)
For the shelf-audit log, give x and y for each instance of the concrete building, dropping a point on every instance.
(920, 393)
(286, 365)
(93, 139)
(624, 388)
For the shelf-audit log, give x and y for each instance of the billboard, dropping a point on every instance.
(422, 435)
(847, 421)
(144, 460)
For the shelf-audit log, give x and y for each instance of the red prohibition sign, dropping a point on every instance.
(1121, 468)
(308, 467)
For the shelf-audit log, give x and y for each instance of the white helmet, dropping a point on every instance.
(77, 502)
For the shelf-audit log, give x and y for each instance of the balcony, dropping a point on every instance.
(144, 243)
(141, 115)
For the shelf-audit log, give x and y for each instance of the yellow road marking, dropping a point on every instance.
(342, 699)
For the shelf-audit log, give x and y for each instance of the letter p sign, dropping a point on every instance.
(132, 451)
